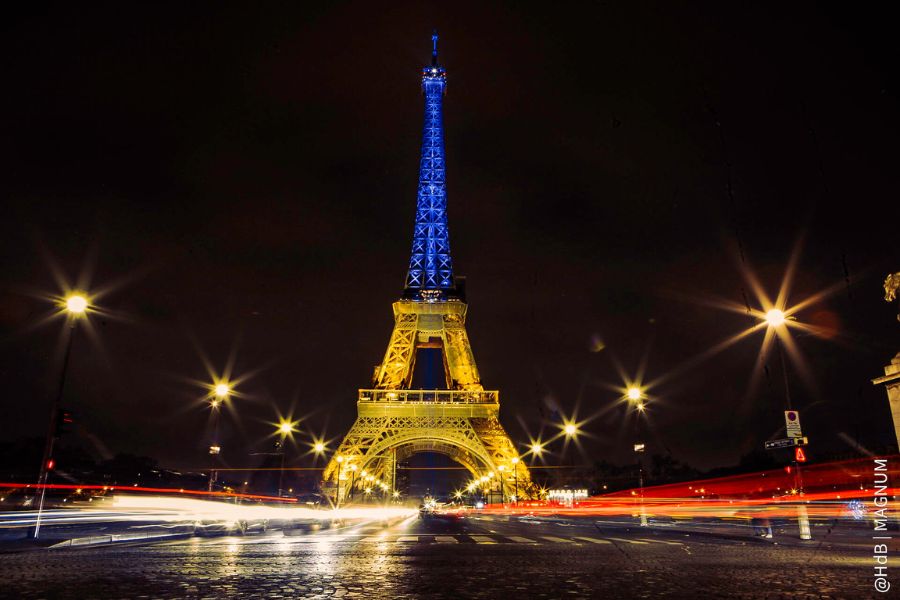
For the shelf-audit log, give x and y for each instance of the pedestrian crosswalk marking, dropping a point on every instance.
(478, 539)
(483, 539)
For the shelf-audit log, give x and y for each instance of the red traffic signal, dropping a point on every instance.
(799, 454)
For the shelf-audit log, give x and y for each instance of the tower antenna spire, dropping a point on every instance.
(430, 274)
(434, 40)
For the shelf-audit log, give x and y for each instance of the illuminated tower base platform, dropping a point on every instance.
(395, 422)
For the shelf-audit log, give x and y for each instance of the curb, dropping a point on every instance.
(99, 540)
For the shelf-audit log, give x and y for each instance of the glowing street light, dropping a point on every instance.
(634, 393)
(76, 304)
(222, 390)
(286, 428)
(319, 448)
(775, 318)
(537, 449)
(570, 429)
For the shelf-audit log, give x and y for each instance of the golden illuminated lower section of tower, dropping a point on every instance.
(395, 422)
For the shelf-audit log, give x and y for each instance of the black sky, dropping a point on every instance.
(249, 175)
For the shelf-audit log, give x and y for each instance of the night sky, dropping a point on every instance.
(244, 178)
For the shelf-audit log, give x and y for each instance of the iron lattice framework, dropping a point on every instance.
(461, 421)
(430, 267)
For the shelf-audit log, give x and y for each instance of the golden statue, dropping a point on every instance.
(891, 285)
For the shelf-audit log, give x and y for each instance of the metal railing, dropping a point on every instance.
(430, 396)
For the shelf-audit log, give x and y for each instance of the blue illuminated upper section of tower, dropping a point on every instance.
(430, 275)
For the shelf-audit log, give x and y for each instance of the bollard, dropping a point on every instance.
(803, 521)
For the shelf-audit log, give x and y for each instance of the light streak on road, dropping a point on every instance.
(831, 491)
(127, 508)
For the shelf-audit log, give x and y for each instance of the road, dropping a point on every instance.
(477, 558)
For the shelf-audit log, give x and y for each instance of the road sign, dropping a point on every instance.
(792, 424)
(799, 454)
(787, 443)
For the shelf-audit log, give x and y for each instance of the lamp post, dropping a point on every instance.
(776, 319)
(337, 492)
(285, 428)
(537, 449)
(220, 395)
(636, 397)
(515, 464)
(353, 468)
(75, 306)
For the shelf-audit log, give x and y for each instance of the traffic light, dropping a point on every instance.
(65, 420)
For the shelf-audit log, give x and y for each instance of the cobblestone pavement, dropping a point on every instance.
(474, 559)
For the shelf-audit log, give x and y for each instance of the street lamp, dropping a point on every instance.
(74, 305)
(353, 470)
(337, 492)
(635, 397)
(775, 319)
(570, 429)
(221, 391)
(515, 464)
(285, 428)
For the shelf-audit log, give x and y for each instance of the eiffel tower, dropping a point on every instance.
(462, 421)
